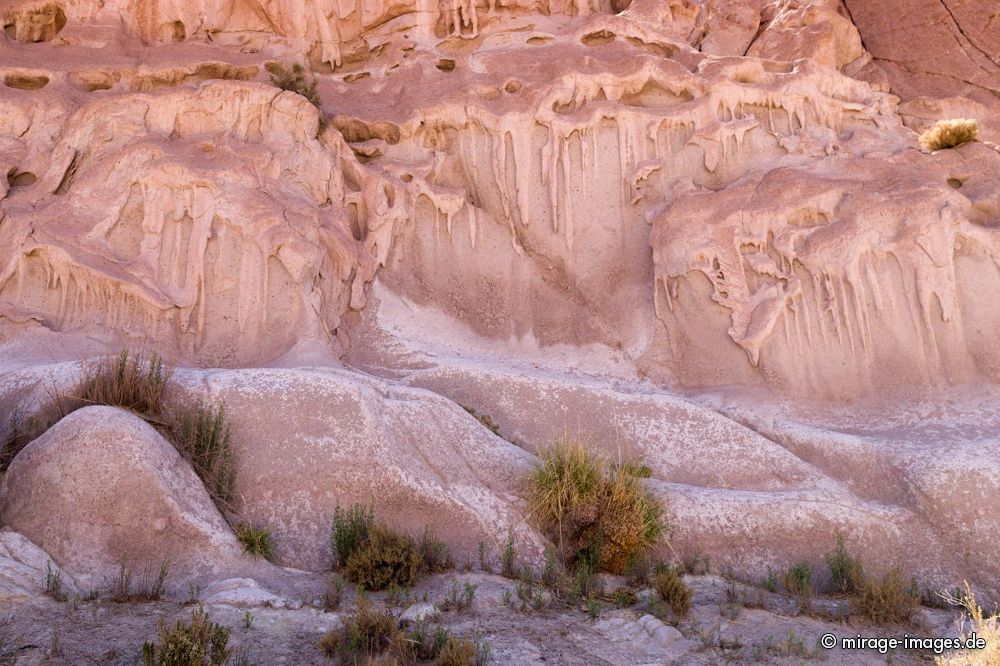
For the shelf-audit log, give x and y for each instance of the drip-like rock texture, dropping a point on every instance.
(680, 229)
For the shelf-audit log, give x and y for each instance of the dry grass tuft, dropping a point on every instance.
(149, 586)
(366, 633)
(949, 133)
(594, 511)
(887, 601)
(673, 591)
(201, 434)
(294, 79)
(973, 621)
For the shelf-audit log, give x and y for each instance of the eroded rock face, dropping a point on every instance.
(102, 485)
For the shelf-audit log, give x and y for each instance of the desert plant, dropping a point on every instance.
(889, 600)
(669, 584)
(508, 559)
(458, 652)
(365, 633)
(334, 593)
(199, 642)
(385, 558)
(294, 79)
(459, 598)
(973, 621)
(435, 556)
(798, 581)
(351, 528)
(593, 511)
(949, 133)
(53, 583)
(201, 434)
(624, 596)
(846, 571)
(149, 586)
(256, 541)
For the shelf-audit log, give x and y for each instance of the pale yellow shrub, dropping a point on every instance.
(949, 133)
(973, 620)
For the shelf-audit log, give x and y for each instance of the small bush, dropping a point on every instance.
(334, 593)
(256, 541)
(670, 585)
(366, 633)
(351, 528)
(457, 652)
(435, 556)
(508, 559)
(798, 580)
(294, 79)
(889, 600)
(623, 597)
(199, 642)
(973, 621)
(386, 558)
(593, 511)
(949, 133)
(459, 598)
(846, 571)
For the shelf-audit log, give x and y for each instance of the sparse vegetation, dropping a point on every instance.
(334, 593)
(53, 583)
(673, 591)
(485, 420)
(199, 642)
(886, 601)
(385, 558)
(435, 556)
(798, 581)
(201, 434)
(624, 596)
(294, 79)
(949, 134)
(594, 511)
(459, 597)
(508, 559)
(256, 541)
(365, 633)
(973, 621)
(351, 528)
(462, 652)
(148, 587)
(846, 571)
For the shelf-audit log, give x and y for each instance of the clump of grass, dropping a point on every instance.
(365, 633)
(256, 541)
(195, 643)
(593, 511)
(351, 528)
(201, 435)
(294, 79)
(149, 586)
(53, 583)
(846, 571)
(624, 596)
(889, 600)
(435, 556)
(949, 133)
(485, 420)
(669, 584)
(384, 559)
(508, 559)
(973, 621)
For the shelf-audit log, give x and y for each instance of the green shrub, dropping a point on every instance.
(669, 584)
(386, 558)
(594, 511)
(798, 581)
(256, 541)
(846, 571)
(351, 528)
(624, 596)
(889, 600)
(949, 133)
(199, 642)
(508, 559)
(459, 598)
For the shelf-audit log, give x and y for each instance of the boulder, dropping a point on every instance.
(25, 569)
(102, 486)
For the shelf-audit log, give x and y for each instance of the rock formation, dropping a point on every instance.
(700, 233)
